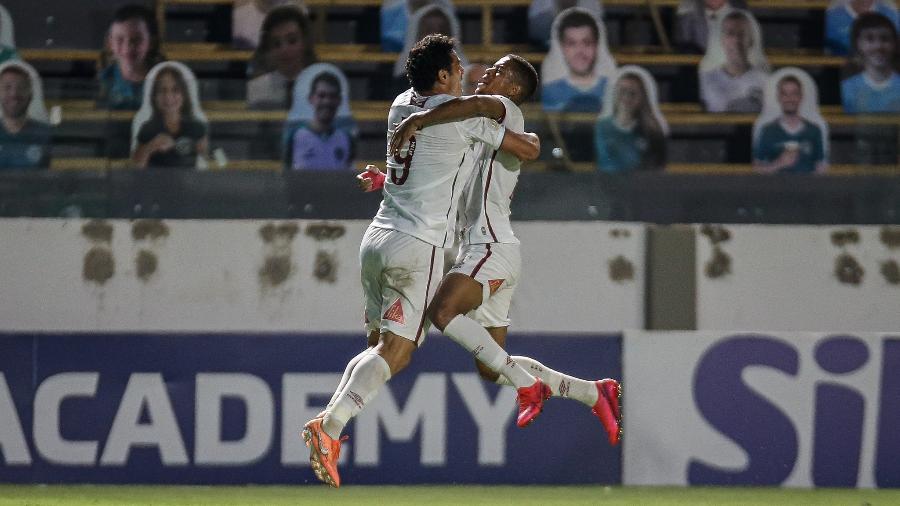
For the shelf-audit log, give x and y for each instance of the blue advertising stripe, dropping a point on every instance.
(565, 445)
(17, 360)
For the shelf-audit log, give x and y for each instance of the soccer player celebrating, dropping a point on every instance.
(489, 263)
(399, 252)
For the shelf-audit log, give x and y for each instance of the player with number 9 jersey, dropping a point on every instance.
(423, 186)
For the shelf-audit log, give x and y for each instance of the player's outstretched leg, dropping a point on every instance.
(344, 379)
(374, 335)
(457, 295)
(324, 452)
(602, 396)
(531, 402)
(608, 408)
(532, 392)
(322, 434)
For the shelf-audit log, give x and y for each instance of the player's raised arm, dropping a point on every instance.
(452, 110)
(523, 146)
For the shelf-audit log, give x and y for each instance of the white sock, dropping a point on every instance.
(472, 336)
(367, 378)
(346, 377)
(561, 384)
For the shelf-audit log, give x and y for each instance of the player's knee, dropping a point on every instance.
(401, 360)
(396, 351)
(486, 373)
(373, 338)
(441, 314)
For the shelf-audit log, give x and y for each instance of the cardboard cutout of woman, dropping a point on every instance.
(734, 70)
(24, 131)
(790, 135)
(285, 48)
(427, 20)
(577, 67)
(874, 84)
(395, 16)
(7, 36)
(631, 132)
(170, 130)
(541, 14)
(841, 14)
(699, 21)
(247, 18)
(320, 131)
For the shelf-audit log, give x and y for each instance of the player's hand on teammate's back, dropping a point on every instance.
(403, 132)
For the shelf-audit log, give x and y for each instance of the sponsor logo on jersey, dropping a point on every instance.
(356, 398)
(564, 388)
(495, 284)
(395, 313)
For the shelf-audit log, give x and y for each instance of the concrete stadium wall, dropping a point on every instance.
(798, 278)
(184, 275)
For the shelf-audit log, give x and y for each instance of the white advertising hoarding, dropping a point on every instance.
(789, 409)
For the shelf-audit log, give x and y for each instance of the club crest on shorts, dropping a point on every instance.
(395, 313)
(494, 284)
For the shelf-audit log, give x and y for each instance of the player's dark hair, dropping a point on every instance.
(577, 19)
(525, 76)
(327, 78)
(428, 57)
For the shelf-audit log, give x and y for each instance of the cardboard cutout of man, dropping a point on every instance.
(320, 131)
(24, 131)
(790, 135)
(576, 70)
(734, 70)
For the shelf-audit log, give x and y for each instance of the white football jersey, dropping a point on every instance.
(484, 212)
(421, 191)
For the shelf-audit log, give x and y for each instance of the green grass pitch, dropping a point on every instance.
(96, 495)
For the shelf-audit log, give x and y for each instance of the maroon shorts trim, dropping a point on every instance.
(481, 262)
(427, 289)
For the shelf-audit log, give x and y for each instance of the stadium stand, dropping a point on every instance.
(638, 34)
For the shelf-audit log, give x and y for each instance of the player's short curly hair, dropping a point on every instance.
(525, 75)
(428, 57)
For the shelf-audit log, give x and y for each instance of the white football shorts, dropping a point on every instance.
(400, 275)
(497, 267)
